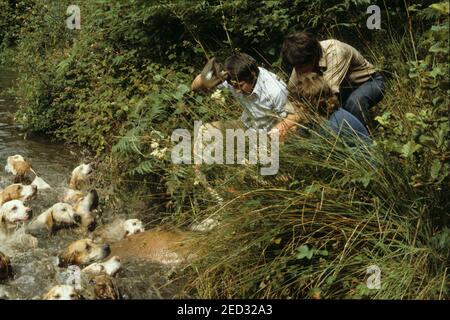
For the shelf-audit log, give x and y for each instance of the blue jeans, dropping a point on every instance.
(358, 101)
(352, 132)
(348, 127)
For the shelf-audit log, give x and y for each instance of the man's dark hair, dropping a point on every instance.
(241, 67)
(300, 48)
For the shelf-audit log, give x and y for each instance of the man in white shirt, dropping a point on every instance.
(262, 94)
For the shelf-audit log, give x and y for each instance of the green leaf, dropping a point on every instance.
(181, 90)
(442, 7)
(410, 148)
(384, 119)
(435, 168)
(157, 78)
(427, 140)
(304, 252)
(323, 253)
(436, 48)
(410, 116)
(437, 100)
(365, 179)
(312, 188)
(437, 71)
(330, 280)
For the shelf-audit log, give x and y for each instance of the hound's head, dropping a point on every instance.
(85, 207)
(60, 215)
(110, 267)
(83, 252)
(133, 226)
(62, 292)
(80, 174)
(14, 211)
(17, 165)
(104, 287)
(17, 191)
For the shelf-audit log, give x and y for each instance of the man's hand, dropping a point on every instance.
(287, 125)
(211, 76)
(282, 130)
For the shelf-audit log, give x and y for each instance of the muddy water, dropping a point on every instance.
(36, 270)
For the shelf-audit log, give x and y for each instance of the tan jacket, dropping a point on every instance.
(340, 62)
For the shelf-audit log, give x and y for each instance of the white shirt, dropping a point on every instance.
(265, 106)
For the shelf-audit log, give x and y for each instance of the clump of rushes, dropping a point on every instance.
(315, 235)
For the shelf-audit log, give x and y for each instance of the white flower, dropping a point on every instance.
(217, 95)
(154, 145)
(159, 153)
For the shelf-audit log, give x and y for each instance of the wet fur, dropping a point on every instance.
(157, 245)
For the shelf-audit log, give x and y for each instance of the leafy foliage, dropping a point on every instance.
(120, 86)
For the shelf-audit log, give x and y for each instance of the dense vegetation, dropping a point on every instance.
(120, 85)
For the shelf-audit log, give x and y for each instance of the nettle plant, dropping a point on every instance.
(420, 132)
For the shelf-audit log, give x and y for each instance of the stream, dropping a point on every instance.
(36, 270)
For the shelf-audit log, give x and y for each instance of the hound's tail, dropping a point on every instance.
(35, 174)
(39, 182)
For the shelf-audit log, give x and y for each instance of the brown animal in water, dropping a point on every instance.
(17, 191)
(157, 245)
(21, 170)
(18, 167)
(79, 175)
(86, 207)
(59, 216)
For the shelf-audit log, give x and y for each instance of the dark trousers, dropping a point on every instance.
(359, 100)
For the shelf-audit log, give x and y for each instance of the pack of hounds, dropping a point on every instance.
(77, 212)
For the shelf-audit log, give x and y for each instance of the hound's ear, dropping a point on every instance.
(65, 260)
(49, 221)
(5, 197)
(73, 183)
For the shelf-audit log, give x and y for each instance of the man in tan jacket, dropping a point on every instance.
(346, 71)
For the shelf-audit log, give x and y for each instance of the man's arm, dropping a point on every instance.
(288, 124)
